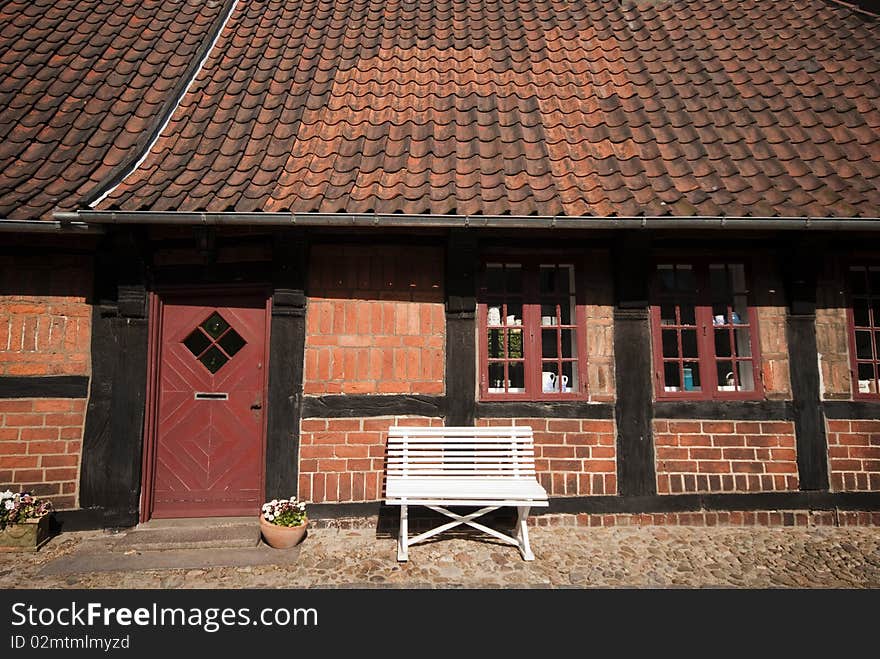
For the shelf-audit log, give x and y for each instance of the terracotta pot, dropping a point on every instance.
(282, 537)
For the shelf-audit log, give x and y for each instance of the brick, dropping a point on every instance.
(53, 405)
(747, 467)
(9, 434)
(564, 425)
(19, 461)
(715, 467)
(61, 474)
(309, 425)
(59, 460)
(28, 434)
(16, 405)
(24, 419)
(27, 475)
(678, 466)
(776, 427)
(717, 427)
(685, 427)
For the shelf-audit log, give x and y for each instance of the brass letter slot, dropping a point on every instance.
(211, 395)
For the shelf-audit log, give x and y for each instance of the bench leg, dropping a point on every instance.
(522, 534)
(402, 536)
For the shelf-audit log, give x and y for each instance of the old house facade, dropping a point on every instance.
(241, 239)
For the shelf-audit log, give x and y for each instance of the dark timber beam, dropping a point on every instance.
(802, 263)
(461, 305)
(110, 476)
(286, 350)
(633, 410)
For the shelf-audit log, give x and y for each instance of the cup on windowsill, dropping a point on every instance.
(548, 321)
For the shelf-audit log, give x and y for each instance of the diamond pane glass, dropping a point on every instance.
(213, 359)
(214, 342)
(197, 342)
(215, 325)
(231, 342)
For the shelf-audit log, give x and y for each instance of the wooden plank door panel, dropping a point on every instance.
(209, 455)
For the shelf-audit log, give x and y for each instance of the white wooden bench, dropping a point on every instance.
(463, 466)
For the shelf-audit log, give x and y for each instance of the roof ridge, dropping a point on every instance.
(149, 137)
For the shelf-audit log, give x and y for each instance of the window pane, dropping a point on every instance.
(549, 343)
(863, 345)
(566, 312)
(671, 376)
(514, 278)
(720, 285)
(548, 314)
(726, 378)
(550, 381)
(667, 314)
(568, 343)
(495, 278)
(514, 314)
(691, 376)
(666, 278)
(197, 342)
(860, 313)
(493, 315)
(857, 280)
(547, 279)
(496, 378)
(687, 313)
(515, 343)
(685, 279)
(689, 343)
(743, 343)
(722, 343)
(746, 374)
(670, 343)
(874, 280)
(231, 342)
(875, 310)
(215, 325)
(517, 377)
(867, 379)
(496, 344)
(569, 378)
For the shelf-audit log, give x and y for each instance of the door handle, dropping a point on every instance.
(257, 406)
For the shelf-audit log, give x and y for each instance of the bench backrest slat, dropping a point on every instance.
(461, 452)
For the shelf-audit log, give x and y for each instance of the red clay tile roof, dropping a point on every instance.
(81, 83)
(575, 107)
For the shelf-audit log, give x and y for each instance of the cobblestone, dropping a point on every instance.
(567, 557)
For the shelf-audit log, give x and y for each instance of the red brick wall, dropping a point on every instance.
(40, 445)
(573, 457)
(854, 455)
(45, 322)
(344, 459)
(807, 518)
(375, 321)
(725, 456)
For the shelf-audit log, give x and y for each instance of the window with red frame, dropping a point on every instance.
(704, 332)
(531, 325)
(864, 290)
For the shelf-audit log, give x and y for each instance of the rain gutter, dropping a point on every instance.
(94, 217)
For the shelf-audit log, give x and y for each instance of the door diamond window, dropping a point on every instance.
(214, 342)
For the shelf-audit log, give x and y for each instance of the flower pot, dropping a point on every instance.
(28, 535)
(282, 537)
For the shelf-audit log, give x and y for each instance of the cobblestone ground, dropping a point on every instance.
(632, 557)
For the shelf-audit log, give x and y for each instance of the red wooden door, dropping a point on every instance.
(209, 457)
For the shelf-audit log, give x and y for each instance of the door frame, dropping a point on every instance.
(154, 367)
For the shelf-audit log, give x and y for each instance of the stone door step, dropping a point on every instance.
(211, 533)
